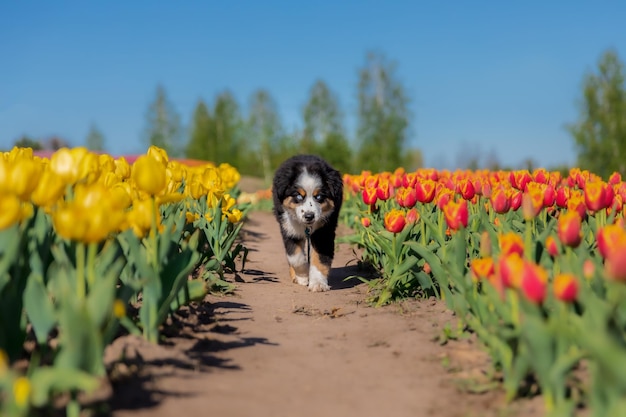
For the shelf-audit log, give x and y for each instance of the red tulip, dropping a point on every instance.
(510, 269)
(569, 229)
(589, 269)
(552, 247)
(615, 262)
(608, 238)
(519, 179)
(425, 190)
(534, 282)
(516, 200)
(615, 178)
(366, 222)
(395, 221)
(500, 200)
(456, 214)
(532, 200)
(443, 196)
(406, 197)
(383, 191)
(565, 287)
(466, 189)
(482, 267)
(409, 179)
(511, 243)
(562, 196)
(412, 216)
(370, 195)
(596, 197)
(576, 203)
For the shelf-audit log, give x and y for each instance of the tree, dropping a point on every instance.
(228, 129)
(201, 143)
(163, 125)
(27, 142)
(265, 131)
(323, 128)
(95, 139)
(600, 132)
(383, 116)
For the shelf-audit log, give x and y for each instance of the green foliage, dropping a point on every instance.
(95, 139)
(202, 143)
(323, 132)
(600, 132)
(163, 127)
(383, 116)
(27, 142)
(265, 132)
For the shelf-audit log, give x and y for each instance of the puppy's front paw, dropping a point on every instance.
(301, 280)
(318, 281)
(318, 286)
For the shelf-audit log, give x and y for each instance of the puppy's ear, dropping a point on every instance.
(335, 184)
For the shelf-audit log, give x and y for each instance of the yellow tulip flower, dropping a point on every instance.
(49, 190)
(148, 175)
(11, 210)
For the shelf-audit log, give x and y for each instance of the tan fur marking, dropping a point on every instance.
(315, 260)
(327, 206)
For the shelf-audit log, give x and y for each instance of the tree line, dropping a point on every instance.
(255, 141)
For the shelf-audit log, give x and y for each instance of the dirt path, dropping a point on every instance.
(274, 349)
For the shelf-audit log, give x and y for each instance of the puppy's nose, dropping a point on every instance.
(309, 216)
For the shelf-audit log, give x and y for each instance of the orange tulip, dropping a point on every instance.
(406, 197)
(569, 229)
(395, 220)
(482, 267)
(511, 243)
(552, 247)
(565, 287)
(425, 190)
(534, 282)
(456, 214)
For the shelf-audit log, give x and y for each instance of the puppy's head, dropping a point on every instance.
(307, 192)
(307, 201)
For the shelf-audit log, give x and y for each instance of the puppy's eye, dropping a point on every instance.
(319, 198)
(299, 198)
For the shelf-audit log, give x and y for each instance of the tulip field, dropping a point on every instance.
(89, 243)
(532, 263)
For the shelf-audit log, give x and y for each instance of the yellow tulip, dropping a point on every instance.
(140, 217)
(21, 391)
(10, 210)
(24, 177)
(88, 167)
(122, 168)
(159, 154)
(49, 190)
(234, 216)
(65, 163)
(148, 175)
(18, 153)
(119, 309)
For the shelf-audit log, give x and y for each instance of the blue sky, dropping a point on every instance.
(484, 77)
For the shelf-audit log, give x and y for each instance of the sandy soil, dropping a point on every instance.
(274, 349)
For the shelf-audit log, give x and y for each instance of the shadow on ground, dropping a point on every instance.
(193, 342)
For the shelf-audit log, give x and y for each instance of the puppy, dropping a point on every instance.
(307, 194)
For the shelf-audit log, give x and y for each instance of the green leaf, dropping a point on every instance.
(39, 307)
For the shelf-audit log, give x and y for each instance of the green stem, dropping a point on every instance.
(92, 251)
(80, 271)
(154, 237)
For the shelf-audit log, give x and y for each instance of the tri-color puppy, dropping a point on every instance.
(307, 194)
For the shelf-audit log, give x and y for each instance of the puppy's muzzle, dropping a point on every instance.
(309, 217)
